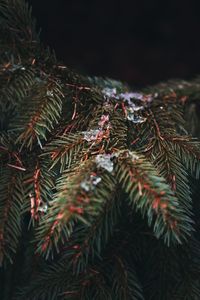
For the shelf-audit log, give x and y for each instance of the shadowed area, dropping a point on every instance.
(140, 42)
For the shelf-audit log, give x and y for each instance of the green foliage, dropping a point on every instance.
(11, 200)
(17, 31)
(15, 85)
(150, 194)
(72, 203)
(35, 121)
(97, 183)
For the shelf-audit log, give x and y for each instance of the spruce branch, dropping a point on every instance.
(88, 243)
(149, 193)
(172, 154)
(72, 149)
(18, 33)
(49, 284)
(125, 283)
(188, 150)
(11, 201)
(64, 150)
(36, 120)
(75, 200)
(15, 85)
(38, 182)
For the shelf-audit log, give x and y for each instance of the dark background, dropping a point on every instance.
(140, 42)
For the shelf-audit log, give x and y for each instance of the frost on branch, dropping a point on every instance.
(110, 93)
(99, 133)
(92, 135)
(129, 106)
(131, 116)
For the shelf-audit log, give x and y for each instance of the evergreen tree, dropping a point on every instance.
(98, 183)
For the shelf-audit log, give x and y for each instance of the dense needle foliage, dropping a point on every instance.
(98, 182)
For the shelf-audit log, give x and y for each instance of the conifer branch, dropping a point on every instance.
(75, 200)
(66, 167)
(65, 150)
(36, 120)
(162, 145)
(150, 194)
(125, 282)
(38, 182)
(93, 240)
(188, 150)
(11, 201)
(19, 81)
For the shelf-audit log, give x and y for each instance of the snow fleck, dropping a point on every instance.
(130, 100)
(89, 184)
(132, 108)
(104, 161)
(134, 96)
(110, 92)
(102, 131)
(133, 118)
(92, 135)
(95, 179)
(129, 96)
(50, 93)
(85, 186)
(43, 208)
